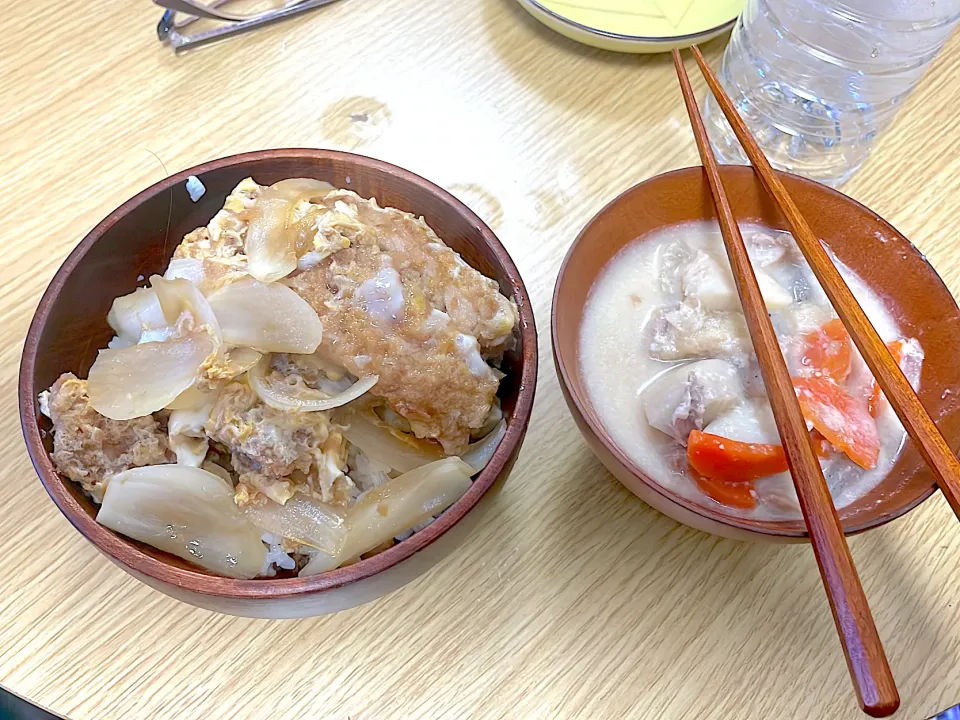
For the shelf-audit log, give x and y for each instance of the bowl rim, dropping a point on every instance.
(132, 558)
(603, 437)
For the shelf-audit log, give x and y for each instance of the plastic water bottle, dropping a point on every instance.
(816, 80)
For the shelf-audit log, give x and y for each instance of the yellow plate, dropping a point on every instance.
(636, 26)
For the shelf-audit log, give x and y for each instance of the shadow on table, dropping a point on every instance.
(14, 708)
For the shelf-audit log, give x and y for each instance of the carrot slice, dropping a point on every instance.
(821, 446)
(736, 494)
(731, 461)
(827, 351)
(841, 419)
(876, 394)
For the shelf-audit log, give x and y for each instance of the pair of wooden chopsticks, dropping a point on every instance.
(876, 690)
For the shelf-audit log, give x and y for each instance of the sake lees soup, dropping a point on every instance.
(670, 369)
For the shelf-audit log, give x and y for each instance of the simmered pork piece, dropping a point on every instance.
(395, 302)
(766, 248)
(279, 453)
(425, 264)
(689, 331)
(89, 448)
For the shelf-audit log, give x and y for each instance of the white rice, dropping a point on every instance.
(276, 558)
(366, 473)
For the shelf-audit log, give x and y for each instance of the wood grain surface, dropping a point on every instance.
(574, 599)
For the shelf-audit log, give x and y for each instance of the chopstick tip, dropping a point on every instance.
(882, 708)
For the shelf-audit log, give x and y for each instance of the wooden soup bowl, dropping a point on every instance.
(893, 268)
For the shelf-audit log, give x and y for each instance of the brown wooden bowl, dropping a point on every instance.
(134, 242)
(894, 269)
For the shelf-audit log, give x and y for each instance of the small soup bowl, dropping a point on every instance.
(134, 242)
(895, 270)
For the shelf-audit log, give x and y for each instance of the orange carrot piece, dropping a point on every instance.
(731, 461)
(822, 446)
(841, 419)
(736, 494)
(828, 351)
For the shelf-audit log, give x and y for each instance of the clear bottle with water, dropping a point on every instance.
(816, 80)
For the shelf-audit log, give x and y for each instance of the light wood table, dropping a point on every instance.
(573, 599)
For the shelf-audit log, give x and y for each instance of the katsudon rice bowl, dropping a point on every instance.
(299, 386)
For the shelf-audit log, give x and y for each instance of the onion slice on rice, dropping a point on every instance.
(394, 507)
(187, 512)
(268, 244)
(300, 398)
(178, 296)
(240, 359)
(187, 269)
(478, 454)
(267, 317)
(136, 381)
(297, 189)
(303, 520)
(191, 398)
(380, 444)
(131, 314)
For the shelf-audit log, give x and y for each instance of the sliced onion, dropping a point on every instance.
(478, 454)
(303, 520)
(139, 380)
(490, 424)
(190, 451)
(378, 443)
(218, 470)
(131, 314)
(190, 269)
(193, 407)
(240, 359)
(281, 396)
(185, 428)
(179, 296)
(267, 317)
(318, 362)
(191, 398)
(269, 244)
(187, 512)
(296, 189)
(394, 507)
